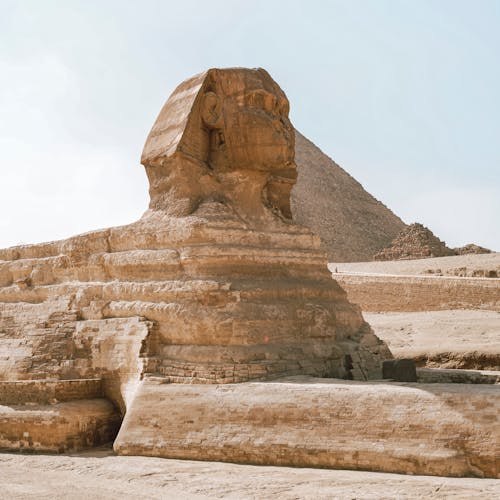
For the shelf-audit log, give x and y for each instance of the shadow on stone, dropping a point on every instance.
(401, 370)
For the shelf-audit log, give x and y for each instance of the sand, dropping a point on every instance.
(99, 474)
(410, 334)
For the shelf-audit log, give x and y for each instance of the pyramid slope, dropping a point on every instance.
(352, 224)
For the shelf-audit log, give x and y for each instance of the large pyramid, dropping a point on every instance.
(352, 224)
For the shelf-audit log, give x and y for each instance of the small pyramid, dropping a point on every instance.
(414, 242)
(471, 248)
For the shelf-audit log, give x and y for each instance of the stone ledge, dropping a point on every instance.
(431, 429)
(445, 375)
(58, 428)
(45, 391)
(377, 293)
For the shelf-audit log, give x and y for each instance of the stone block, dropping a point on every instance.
(400, 370)
(431, 429)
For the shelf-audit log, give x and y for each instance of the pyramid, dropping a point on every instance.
(471, 248)
(352, 224)
(414, 242)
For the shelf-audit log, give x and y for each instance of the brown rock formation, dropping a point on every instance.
(414, 242)
(213, 284)
(55, 415)
(352, 224)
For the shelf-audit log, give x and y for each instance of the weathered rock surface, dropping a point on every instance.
(55, 416)
(439, 429)
(100, 474)
(442, 339)
(352, 224)
(414, 242)
(377, 293)
(457, 376)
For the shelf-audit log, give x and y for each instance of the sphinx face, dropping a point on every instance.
(225, 135)
(255, 133)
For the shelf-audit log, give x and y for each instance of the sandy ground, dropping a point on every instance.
(438, 331)
(99, 474)
(445, 265)
(448, 339)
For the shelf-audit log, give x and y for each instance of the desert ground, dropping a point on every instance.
(465, 337)
(98, 474)
(434, 333)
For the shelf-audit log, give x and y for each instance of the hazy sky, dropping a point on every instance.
(404, 95)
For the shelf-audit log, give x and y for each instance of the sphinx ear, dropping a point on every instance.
(211, 110)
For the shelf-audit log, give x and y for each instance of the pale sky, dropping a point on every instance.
(404, 95)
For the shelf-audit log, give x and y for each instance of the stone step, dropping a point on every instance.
(147, 264)
(216, 291)
(46, 391)
(60, 427)
(118, 240)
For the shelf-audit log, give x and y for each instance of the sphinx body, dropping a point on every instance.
(214, 284)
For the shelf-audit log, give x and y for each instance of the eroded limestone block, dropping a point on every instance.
(431, 429)
(59, 427)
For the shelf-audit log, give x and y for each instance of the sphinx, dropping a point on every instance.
(211, 327)
(214, 284)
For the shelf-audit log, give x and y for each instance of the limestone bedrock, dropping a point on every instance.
(435, 429)
(214, 284)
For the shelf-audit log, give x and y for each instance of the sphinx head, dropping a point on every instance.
(225, 135)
